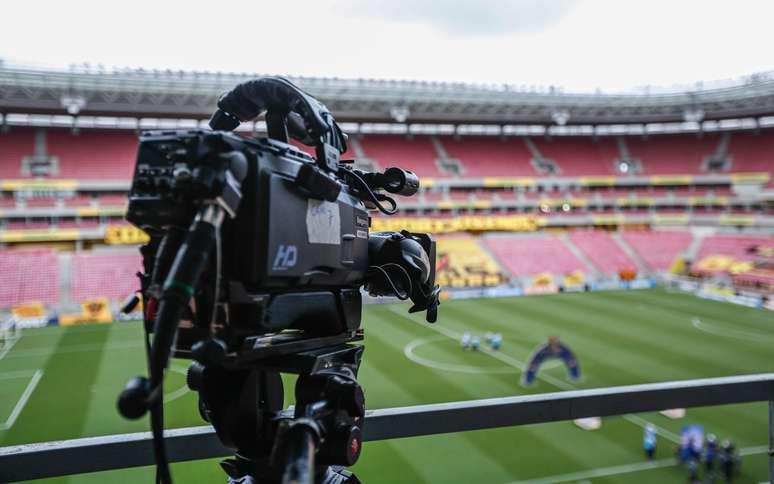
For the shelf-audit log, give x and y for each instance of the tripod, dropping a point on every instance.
(310, 442)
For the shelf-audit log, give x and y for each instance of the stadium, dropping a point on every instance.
(637, 227)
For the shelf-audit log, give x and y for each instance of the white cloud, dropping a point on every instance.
(463, 17)
(612, 44)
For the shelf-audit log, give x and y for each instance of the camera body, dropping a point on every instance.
(289, 258)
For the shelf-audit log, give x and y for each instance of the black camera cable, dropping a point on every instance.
(373, 197)
(179, 288)
(190, 261)
(388, 279)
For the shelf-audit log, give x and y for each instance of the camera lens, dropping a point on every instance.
(401, 182)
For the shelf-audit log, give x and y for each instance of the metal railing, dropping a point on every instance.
(52, 459)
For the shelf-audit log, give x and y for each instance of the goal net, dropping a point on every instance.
(10, 332)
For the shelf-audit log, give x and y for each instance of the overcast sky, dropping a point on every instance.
(577, 44)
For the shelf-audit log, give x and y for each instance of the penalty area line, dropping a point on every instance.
(17, 409)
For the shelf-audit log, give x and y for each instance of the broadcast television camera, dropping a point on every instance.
(257, 255)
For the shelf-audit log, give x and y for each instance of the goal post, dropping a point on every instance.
(10, 332)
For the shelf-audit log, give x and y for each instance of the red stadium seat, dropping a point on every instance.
(578, 156)
(658, 249)
(14, 146)
(104, 274)
(533, 254)
(602, 250)
(28, 276)
(672, 154)
(416, 154)
(93, 155)
(483, 156)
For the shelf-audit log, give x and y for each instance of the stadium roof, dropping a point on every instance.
(178, 94)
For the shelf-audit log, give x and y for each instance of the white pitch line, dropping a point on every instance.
(623, 469)
(22, 400)
(733, 333)
(172, 396)
(560, 384)
(78, 348)
(10, 344)
(408, 350)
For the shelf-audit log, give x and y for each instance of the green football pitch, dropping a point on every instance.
(61, 383)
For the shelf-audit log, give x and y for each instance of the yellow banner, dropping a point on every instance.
(124, 234)
(750, 177)
(671, 180)
(97, 211)
(607, 219)
(558, 202)
(635, 202)
(708, 201)
(597, 181)
(41, 185)
(39, 235)
(737, 220)
(458, 224)
(671, 219)
(94, 311)
(27, 311)
(507, 182)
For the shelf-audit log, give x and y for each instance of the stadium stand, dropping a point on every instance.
(14, 146)
(602, 250)
(488, 156)
(672, 154)
(28, 276)
(752, 152)
(578, 156)
(104, 274)
(658, 249)
(731, 253)
(534, 254)
(416, 153)
(85, 155)
(93, 155)
(737, 246)
(462, 262)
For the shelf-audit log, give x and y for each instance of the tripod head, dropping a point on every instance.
(307, 444)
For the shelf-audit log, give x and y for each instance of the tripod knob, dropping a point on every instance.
(211, 351)
(343, 446)
(194, 377)
(133, 400)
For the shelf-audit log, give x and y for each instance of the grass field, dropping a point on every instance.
(62, 383)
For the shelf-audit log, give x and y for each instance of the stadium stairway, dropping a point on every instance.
(362, 161)
(446, 163)
(64, 260)
(485, 249)
(579, 254)
(698, 237)
(633, 255)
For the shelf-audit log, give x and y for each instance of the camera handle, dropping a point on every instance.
(289, 111)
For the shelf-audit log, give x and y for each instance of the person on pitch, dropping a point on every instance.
(649, 441)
